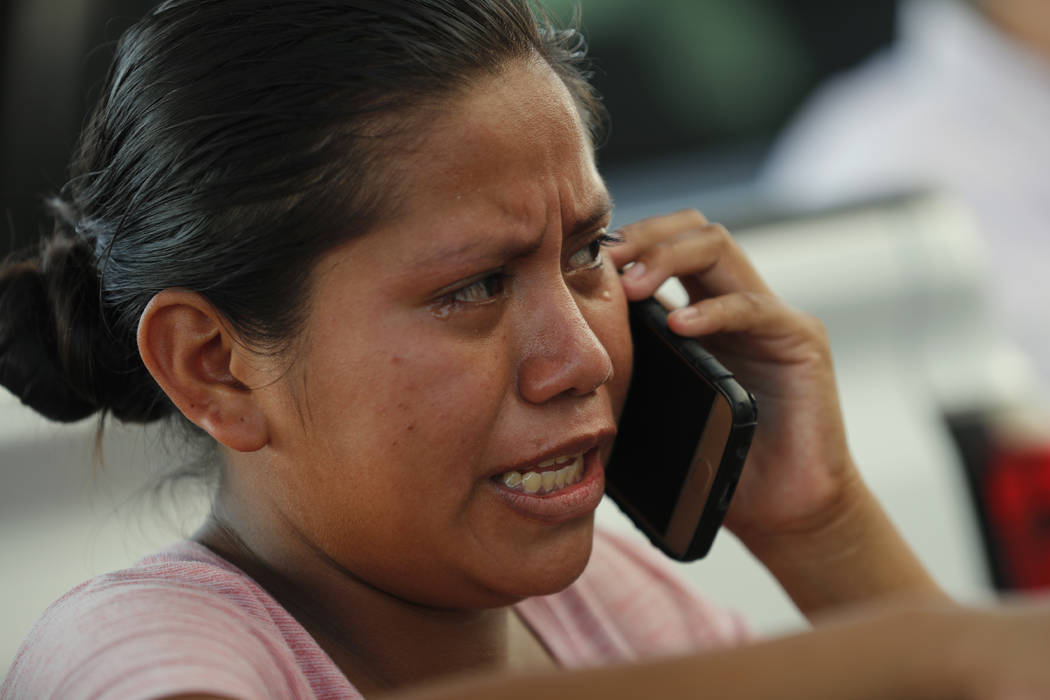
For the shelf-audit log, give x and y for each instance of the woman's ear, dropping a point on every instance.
(193, 355)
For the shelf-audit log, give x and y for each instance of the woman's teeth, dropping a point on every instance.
(570, 471)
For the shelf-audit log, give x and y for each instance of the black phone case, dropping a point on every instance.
(650, 315)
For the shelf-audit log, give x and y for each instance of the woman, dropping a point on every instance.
(359, 246)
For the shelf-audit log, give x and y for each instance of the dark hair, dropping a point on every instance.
(235, 142)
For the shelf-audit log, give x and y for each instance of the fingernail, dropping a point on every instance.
(686, 315)
(634, 272)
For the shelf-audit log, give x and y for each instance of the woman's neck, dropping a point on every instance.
(378, 640)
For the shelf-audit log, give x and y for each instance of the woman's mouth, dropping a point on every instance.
(556, 490)
(549, 476)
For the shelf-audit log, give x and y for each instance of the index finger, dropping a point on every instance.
(644, 233)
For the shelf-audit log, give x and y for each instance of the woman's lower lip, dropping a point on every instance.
(562, 505)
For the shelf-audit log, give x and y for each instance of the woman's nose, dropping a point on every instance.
(562, 355)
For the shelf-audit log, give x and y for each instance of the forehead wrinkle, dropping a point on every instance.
(588, 203)
(602, 208)
(479, 248)
(506, 246)
(513, 225)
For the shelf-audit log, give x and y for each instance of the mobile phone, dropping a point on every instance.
(683, 437)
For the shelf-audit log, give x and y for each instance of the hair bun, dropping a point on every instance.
(56, 353)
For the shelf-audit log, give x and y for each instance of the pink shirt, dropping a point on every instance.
(187, 621)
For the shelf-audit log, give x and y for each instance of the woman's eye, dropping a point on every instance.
(591, 254)
(480, 291)
(587, 256)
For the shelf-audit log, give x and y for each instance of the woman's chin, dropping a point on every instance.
(548, 567)
(495, 573)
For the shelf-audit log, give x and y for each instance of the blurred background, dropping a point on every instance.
(883, 164)
(683, 79)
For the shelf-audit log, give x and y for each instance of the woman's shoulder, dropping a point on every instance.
(629, 603)
(182, 620)
(184, 573)
(183, 582)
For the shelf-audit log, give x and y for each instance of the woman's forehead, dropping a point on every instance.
(504, 165)
(499, 168)
(507, 142)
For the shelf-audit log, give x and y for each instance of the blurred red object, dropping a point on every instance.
(1016, 492)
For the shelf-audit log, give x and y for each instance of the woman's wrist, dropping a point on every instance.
(848, 553)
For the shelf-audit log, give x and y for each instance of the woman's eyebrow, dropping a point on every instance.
(481, 250)
(600, 211)
(486, 250)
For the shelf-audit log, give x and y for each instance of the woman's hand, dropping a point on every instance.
(799, 468)
(800, 504)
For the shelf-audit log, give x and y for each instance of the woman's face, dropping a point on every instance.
(458, 348)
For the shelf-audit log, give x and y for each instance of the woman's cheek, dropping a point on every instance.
(610, 323)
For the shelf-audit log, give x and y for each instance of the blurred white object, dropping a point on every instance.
(904, 275)
(956, 104)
